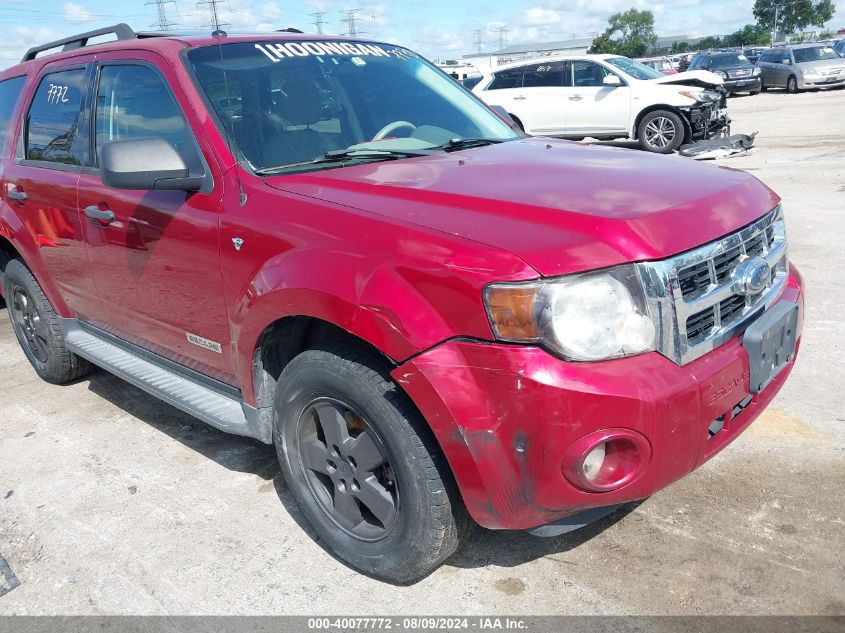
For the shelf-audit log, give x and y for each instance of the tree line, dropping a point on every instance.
(631, 33)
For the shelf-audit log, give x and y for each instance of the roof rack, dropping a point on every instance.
(121, 31)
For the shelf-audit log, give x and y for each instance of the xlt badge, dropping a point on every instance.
(199, 341)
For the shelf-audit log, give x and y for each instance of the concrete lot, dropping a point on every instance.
(114, 503)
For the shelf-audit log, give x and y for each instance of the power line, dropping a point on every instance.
(478, 43)
(215, 15)
(318, 21)
(351, 22)
(161, 6)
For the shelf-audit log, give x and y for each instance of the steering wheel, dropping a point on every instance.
(392, 127)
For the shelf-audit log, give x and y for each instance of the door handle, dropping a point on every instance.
(16, 194)
(575, 98)
(519, 98)
(105, 216)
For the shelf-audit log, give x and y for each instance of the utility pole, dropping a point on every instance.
(775, 24)
(478, 33)
(350, 21)
(215, 14)
(163, 23)
(318, 21)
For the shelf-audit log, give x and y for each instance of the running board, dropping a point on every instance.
(220, 410)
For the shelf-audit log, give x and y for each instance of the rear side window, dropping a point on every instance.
(506, 79)
(10, 91)
(52, 131)
(545, 75)
(134, 102)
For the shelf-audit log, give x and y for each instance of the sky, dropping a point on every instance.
(436, 28)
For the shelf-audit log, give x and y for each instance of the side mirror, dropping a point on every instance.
(612, 81)
(146, 164)
(786, 61)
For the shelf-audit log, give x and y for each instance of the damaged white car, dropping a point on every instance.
(608, 96)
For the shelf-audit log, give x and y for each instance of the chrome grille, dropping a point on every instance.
(696, 298)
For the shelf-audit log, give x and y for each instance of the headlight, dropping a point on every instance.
(721, 74)
(756, 72)
(585, 317)
(808, 71)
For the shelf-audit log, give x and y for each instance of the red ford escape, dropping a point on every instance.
(331, 246)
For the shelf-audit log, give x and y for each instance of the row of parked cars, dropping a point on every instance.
(793, 67)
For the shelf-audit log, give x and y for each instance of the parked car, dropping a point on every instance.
(753, 54)
(607, 96)
(839, 47)
(434, 319)
(471, 82)
(662, 64)
(737, 73)
(802, 67)
(685, 61)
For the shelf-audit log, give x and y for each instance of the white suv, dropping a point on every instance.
(608, 96)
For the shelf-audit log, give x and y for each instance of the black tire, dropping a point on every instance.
(764, 88)
(792, 85)
(661, 131)
(329, 393)
(36, 326)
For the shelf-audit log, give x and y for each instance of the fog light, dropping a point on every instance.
(593, 462)
(606, 460)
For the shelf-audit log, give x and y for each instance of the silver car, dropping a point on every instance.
(801, 67)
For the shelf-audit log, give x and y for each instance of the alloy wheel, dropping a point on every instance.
(347, 469)
(660, 132)
(30, 325)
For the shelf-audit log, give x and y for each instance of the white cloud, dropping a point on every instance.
(76, 13)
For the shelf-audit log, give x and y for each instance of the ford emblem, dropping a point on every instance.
(752, 276)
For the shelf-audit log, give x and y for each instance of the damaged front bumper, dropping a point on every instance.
(708, 118)
(508, 416)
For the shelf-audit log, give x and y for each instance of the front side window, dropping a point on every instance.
(504, 79)
(588, 74)
(52, 130)
(546, 75)
(134, 102)
(287, 104)
(814, 54)
(10, 91)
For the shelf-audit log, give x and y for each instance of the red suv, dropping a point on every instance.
(331, 246)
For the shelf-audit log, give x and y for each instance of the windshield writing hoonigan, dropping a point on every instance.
(288, 103)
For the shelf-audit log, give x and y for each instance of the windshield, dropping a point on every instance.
(729, 60)
(287, 102)
(814, 54)
(634, 69)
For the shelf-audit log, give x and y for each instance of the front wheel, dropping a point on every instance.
(792, 84)
(661, 131)
(363, 466)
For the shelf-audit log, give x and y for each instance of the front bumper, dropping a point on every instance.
(753, 84)
(807, 83)
(708, 119)
(504, 416)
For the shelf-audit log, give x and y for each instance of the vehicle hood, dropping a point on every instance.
(823, 63)
(560, 206)
(700, 78)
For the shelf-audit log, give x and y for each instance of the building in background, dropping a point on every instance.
(527, 51)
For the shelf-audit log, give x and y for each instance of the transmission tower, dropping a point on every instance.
(503, 37)
(318, 21)
(163, 23)
(215, 23)
(478, 43)
(350, 21)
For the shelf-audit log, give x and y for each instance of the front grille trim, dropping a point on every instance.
(675, 307)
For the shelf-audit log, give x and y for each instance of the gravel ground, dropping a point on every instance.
(114, 503)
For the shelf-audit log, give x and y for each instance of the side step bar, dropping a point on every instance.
(220, 410)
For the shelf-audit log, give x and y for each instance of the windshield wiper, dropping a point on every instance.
(466, 143)
(340, 155)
